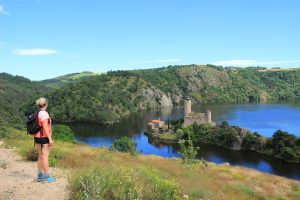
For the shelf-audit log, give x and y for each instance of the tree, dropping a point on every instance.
(188, 152)
(63, 133)
(124, 144)
(283, 138)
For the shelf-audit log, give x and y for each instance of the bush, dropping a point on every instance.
(105, 184)
(63, 133)
(3, 129)
(124, 144)
(31, 154)
(252, 142)
(188, 152)
(298, 142)
(224, 123)
(55, 156)
(179, 133)
(123, 183)
(282, 139)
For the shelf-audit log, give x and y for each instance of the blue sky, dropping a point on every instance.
(42, 39)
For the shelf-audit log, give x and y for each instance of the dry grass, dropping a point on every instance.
(278, 69)
(196, 181)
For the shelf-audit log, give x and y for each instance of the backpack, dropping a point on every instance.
(32, 123)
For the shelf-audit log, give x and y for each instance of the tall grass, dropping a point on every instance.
(98, 173)
(123, 183)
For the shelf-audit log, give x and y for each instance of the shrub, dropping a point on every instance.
(179, 133)
(63, 133)
(188, 152)
(124, 144)
(252, 142)
(157, 187)
(105, 184)
(283, 139)
(55, 156)
(31, 154)
(3, 129)
(224, 123)
(123, 183)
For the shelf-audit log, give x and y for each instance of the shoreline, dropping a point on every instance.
(157, 137)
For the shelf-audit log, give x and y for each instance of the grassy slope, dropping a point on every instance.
(69, 78)
(197, 181)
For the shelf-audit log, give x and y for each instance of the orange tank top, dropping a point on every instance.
(43, 115)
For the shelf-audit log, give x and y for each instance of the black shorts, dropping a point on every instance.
(43, 140)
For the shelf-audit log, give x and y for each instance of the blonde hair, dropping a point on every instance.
(41, 102)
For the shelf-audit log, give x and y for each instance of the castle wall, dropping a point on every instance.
(191, 120)
(187, 107)
(208, 116)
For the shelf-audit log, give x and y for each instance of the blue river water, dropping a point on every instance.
(263, 118)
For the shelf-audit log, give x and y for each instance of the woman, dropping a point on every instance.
(43, 141)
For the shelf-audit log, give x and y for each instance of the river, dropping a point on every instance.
(263, 118)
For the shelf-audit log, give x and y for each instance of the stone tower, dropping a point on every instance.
(187, 106)
(208, 115)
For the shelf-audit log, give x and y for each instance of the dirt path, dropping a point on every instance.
(17, 179)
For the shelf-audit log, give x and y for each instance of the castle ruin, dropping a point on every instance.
(191, 117)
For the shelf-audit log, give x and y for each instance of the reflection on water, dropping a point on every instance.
(263, 118)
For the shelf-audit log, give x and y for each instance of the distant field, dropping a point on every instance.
(80, 75)
(278, 69)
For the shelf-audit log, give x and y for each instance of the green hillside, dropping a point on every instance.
(15, 91)
(107, 97)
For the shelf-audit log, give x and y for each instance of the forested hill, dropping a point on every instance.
(107, 97)
(15, 91)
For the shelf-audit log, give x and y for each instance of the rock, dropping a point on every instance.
(226, 164)
(153, 98)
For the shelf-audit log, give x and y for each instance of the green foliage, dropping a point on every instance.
(188, 151)
(55, 155)
(176, 124)
(283, 138)
(282, 145)
(122, 183)
(157, 186)
(3, 129)
(253, 142)
(247, 190)
(15, 91)
(179, 133)
(107, 97)
(285, 146)
(103, 99)
(63, 133)
(227, 135)
(298, 142)
(124, 144)
(224, 123)
(31, 155)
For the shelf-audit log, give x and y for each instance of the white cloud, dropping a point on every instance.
(160, 61)
(3, 11)
(35, 52)
(253, 62)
